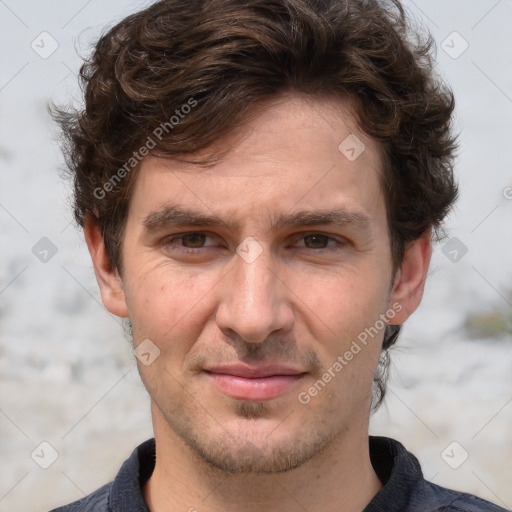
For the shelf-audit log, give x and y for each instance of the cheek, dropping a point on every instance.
(166, 305)
(342, 312)
(342, 299)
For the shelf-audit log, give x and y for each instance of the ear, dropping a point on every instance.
(109, 281)
(410, 278)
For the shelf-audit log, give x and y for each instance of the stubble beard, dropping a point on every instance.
(239, 455)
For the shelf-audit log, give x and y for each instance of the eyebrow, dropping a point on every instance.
(178, 216)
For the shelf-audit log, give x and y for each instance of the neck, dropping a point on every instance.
(339, 478)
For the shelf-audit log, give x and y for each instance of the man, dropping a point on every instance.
(259, 184)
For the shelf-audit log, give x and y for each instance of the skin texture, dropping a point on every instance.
(301, 302)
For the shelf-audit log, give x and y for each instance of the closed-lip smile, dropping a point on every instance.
(262, 382)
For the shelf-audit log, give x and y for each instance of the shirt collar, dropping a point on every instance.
(400, 474)
(126, 492)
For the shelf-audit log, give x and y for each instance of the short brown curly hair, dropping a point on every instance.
(195, 69)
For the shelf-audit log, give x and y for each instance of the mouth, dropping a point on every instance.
(254, 383)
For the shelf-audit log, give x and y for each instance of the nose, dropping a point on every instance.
(255, 300)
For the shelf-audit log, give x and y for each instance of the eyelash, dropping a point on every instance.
(187, 250)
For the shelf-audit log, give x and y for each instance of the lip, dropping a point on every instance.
(254, 383)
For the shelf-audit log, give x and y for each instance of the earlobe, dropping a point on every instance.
(410, 277)
(109, 281)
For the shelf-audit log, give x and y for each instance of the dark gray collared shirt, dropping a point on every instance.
(404, 488)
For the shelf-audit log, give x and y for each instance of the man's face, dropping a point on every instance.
(248, 315)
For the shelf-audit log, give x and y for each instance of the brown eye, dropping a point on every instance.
(189, 243)
(193, 240)
(317, 241)
(320, 242)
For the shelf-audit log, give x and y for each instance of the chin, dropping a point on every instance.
(258, 446)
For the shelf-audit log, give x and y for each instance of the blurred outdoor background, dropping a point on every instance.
(67, 374)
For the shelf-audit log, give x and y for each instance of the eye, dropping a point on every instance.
(321, 241)
(190, 242)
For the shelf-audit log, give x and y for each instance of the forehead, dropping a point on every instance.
(297, 154)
